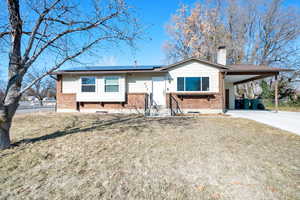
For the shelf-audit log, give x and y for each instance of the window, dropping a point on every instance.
(88, 84)
(180, 84)
(205, 83)
(111, 84)
(193, 84)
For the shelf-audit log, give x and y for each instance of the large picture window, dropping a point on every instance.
(111, 84)
(193, 84)
(88, 84)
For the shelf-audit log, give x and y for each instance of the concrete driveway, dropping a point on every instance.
(289, 121)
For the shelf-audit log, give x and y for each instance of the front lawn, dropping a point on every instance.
(91, 156)
(285, 108)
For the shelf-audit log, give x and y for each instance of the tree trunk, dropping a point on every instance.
(4, 131)
(16, 72)
(6, 115)
(41, 101)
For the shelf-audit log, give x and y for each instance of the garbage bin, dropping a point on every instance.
(246, 104)
(254, 104)
(237, 104)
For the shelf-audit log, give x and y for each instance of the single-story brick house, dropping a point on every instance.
(191, 85)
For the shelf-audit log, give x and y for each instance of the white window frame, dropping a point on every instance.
(81, 84)
(112, 77)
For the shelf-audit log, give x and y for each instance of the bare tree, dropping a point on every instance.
(42, 88)
(259, 32)
(195, 32)
(58, 29)
(254, 31)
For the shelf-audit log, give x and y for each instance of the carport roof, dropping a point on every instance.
(255, 68)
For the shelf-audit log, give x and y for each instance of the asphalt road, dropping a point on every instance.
(35, 110)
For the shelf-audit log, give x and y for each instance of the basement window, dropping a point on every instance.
(88, 84)
(193, 84)
(111, 84)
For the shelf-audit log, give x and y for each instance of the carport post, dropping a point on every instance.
(276, 92)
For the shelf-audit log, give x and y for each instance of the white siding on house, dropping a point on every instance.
(139, 83)
(112, 96)
(193, 69)
(72, 84)
(69, 84)
(88, 96)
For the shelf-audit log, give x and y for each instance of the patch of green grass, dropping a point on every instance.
(290, 106)
(285, 108)
(92, 156)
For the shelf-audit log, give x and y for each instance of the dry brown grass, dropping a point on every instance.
(90, 156)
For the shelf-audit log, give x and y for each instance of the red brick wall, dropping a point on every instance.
(212, 101)
(133, 101)
(64, 101)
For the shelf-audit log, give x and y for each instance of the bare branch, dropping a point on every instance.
(68, 58)
(67, 23)
(66, 32)
(2, 34)
(35, 29)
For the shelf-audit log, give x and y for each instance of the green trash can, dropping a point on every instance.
(254, 104)
(246, 104)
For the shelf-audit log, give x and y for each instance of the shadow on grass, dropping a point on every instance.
(128, 121)
(97, 125)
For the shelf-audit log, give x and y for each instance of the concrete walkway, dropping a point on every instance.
(289, 121)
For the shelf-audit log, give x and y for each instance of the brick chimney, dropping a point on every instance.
(222, 57)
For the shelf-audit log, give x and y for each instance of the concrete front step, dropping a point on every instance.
(160, 112)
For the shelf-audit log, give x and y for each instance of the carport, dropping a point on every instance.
(243, 73)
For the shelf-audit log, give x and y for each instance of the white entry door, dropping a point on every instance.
(158, 91)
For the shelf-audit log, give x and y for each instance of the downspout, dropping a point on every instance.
(276, 92)
(224, 101)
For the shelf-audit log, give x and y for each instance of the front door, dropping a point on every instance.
(158, 91)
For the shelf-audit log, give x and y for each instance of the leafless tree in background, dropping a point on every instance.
(57, 30)
(42, 88)
(254, 32)
(194, 32)
(261, 32)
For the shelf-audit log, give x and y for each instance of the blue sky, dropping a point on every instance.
(155, 13)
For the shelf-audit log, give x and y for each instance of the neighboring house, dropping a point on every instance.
(192, 85)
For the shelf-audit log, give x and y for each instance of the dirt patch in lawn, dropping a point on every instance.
(92, 156)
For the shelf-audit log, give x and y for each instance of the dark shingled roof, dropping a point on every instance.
(237, 68)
